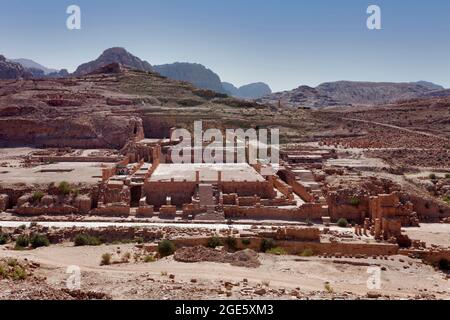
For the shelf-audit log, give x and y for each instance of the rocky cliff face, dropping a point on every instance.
(249, 91)
(348, 93)
(30, 64)
(113, 55)
(10, 70)
(194, 73)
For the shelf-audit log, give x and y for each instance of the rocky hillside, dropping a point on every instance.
(11, 70)
(249, 91)
(113, 55)
(109, 106)
(194, 73)
(348, 93)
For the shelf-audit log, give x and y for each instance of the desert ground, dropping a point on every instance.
(277, 277)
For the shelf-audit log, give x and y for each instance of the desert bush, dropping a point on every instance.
(355, 201)
(22, 241)
(64, 188)
(328, 288)
(446, 199)
(447, 176)
(343, 223)
(39, 240)
(307, 253)
(37, 196)
(432, 176)
(267, 244)
(19, 273)
(231, 243)
(106, 259)
(139, 240)
(149, 258)
(166, 248)
(214, 242)
(126, 257)
(277, 251)
(83, 239)
(4, 238)
(246, 242)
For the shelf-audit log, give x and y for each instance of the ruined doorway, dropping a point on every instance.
(136, 195)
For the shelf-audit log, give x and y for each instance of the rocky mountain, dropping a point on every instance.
(350, 93)
(113, 55)
(249, 91)
(194, 73)
(110, 105)
(30, 64)
(12, 70)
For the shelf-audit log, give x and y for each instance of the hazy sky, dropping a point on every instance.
(285, 43)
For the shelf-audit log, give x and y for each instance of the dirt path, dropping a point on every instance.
(391, 126)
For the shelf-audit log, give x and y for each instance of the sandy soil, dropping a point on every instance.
(278, 277)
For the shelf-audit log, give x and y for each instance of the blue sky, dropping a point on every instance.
(285, 43)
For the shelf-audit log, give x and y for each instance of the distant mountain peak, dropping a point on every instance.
(113, 55)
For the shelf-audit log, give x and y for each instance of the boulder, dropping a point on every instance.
(4, 202)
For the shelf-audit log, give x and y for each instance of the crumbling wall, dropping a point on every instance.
(180, 192)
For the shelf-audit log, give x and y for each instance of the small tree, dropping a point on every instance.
(246, 242)
(267, 244)
(166, 248)
(432, 176)
(214, 242)
(39, 240)
(4, 238)
(231, 243)
(343, 223)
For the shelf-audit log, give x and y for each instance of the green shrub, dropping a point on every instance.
(307, 253)
(64, 188)
(139, 240)
(19, 273)
(39, 240)
(37, 196)
(166, 248)
(447, 176)
(328, 288)
(343, 223)
(83, 239)
(277, 251)
(4, 238)
(432, 176)
(23, 241)
(355, 201)
(231, 243)
(214, 242)
(446, 199)
(267, 244)
(106, 259)
(149, 258)
(246, 242)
